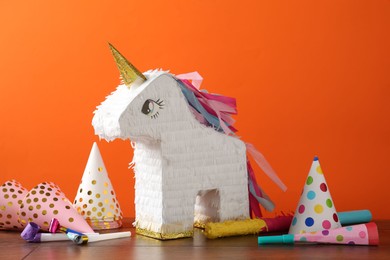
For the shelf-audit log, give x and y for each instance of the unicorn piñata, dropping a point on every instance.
(189, 166)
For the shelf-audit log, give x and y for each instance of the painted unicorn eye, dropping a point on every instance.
(151, 108)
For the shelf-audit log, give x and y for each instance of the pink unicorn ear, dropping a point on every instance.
(11, 196)
(129, 73)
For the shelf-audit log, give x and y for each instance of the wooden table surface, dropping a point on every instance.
(139, 247)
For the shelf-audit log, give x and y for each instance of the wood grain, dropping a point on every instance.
(199, 247)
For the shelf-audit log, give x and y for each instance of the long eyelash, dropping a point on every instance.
(160, 102)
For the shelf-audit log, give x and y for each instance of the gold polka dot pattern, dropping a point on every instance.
(96, 200)
(11, 196)
(46, 201)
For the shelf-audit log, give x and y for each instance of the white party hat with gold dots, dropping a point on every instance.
(96, 200)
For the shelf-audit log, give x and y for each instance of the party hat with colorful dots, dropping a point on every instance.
(96, 199)
(45, 202)
(315, 210)
(12, 194)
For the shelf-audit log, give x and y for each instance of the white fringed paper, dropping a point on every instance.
(184, 171)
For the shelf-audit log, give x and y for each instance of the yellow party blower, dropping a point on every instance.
(247, 227)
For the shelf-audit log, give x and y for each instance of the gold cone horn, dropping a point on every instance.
(129, 73)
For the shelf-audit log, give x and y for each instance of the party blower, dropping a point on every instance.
(84, 239)
(80, 238)
(55, 227)
(214, 230)
(31, 234)
(363, 234)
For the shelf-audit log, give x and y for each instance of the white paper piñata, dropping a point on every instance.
(186, 169)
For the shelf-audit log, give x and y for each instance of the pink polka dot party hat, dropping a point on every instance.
(12, 194)
(316, 210)
(45, 202)
(96, 200)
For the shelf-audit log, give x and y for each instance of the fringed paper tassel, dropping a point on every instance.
(210, 109)
(257, 195)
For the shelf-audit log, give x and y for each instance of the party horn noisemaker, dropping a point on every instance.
(84, 239)
(354, 217)
(55, 227)
(363, 234)
(30, 234)
(278, 224)
(245, 227)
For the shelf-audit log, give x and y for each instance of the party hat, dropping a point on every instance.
(11, 196)
(362, 234)
(45, 202)
(96, 199)
(316, 210)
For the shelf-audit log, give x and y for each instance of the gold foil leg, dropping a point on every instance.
(164, 236)
(199, 224)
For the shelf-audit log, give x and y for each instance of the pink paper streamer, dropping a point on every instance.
(195, 77)
(227, 104)
(254, 207)
(253, 203)
(198, 115)
(217, 105)
(264, 165)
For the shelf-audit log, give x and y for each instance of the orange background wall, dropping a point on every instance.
(310, 77)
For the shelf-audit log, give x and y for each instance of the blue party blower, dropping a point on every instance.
(354, 217)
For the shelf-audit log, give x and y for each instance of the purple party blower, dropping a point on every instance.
(30, 234)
